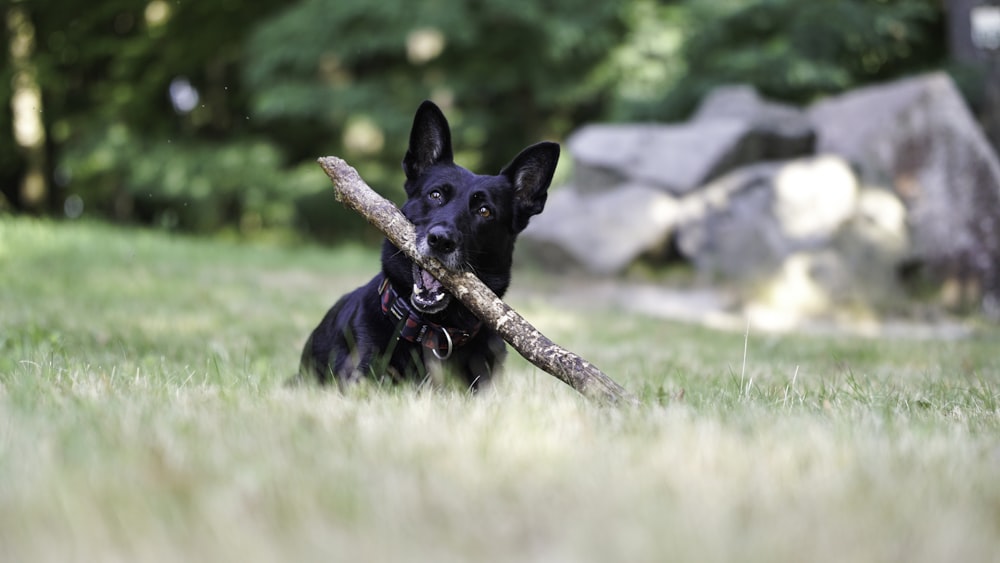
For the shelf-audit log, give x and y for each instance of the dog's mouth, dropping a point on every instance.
(429, 296)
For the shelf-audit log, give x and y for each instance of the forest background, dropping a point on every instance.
(207, 117)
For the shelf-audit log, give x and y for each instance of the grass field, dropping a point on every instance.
(143, 418)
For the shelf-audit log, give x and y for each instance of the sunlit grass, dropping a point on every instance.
(143, 418)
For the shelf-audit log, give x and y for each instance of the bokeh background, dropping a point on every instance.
(207, 116)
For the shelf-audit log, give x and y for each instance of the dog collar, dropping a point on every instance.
(438, 339)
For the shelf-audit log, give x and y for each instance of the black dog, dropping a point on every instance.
(403, 324)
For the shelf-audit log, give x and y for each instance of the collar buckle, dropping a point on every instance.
(451, 344)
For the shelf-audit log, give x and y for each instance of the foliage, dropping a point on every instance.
(508, 74)
(195, 185)
(105, 73)
(798, 51)
(287, 82)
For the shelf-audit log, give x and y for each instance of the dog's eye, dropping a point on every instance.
(484, 212)
(434, 194)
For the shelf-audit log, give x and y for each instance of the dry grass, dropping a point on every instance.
(142, 418)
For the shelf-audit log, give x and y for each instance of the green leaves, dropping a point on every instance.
(300, 77)
(514, 69)
(196, 186)
(797, 51)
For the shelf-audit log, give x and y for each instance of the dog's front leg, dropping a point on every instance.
(470, 371)
(480, 368)
(353, 363)
(478, 372)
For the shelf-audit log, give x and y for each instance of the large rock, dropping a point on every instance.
(780, 131)
(856, 272)
(725, 229)
(598, 233)
(673, 158)
(918, 137)
(800, 238)
(732, 128)
(904, 176)
(871, 246)
(744, 225)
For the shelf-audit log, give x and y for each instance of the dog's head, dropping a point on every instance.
(466, 221)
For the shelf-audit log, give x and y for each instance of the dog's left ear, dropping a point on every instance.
(531, 173)
(430, 141)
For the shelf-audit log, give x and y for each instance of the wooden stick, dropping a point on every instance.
(571, 369)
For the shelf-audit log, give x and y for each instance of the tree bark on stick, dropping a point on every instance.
(538, 349)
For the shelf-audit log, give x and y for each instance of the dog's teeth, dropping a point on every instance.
(439, 297)
(416, 289)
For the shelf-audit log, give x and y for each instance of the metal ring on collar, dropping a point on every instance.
(450, 346)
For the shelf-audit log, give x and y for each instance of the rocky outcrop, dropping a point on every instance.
(917, 138)
(744, 225)
(673, 158)
(627, 179)
(779, 131)
(734, 127)
(599, 232)
(828, 204)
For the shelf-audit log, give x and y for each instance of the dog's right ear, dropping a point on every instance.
(430, 141)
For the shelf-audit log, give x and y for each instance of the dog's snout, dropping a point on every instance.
(441, 239)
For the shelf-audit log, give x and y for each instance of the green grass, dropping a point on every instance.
(143, 418)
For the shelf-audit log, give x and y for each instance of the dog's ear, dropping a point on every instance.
(531, 173)
(430, 141)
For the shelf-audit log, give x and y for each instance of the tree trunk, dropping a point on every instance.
(467, 288)
(26, 109)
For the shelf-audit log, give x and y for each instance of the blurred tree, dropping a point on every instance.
(203, 115)
(106, 73)
(648, 62)
(506, 72)
(26, 108)
(797, 51)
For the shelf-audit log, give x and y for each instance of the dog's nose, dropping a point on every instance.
(441, 239)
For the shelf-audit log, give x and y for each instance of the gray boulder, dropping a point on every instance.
(598, 233)
(872, 245)
(733, 127)
(725, 230)
(744, 225)
(800, 238)
(918, 137)
(780, 131)
(673, 158)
